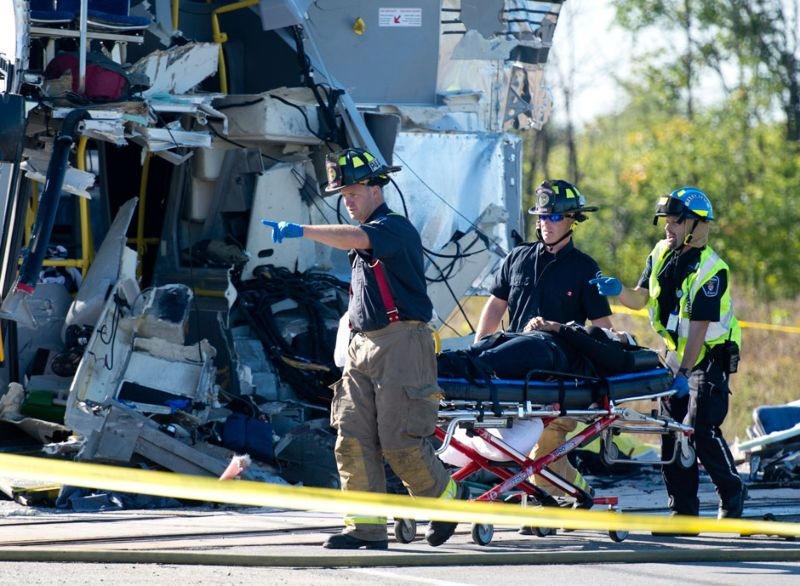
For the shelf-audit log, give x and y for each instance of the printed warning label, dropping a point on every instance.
(400, 17)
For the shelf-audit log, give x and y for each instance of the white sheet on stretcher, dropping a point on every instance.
(522, 437)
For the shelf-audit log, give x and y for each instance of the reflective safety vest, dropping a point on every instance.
(727, 328)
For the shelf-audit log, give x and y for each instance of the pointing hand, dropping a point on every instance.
(281, 230)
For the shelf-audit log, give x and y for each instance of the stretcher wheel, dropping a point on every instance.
(543, 531)
(617, 536)
(405, 530)
(482, 534)
(687, 457)
(610, 453)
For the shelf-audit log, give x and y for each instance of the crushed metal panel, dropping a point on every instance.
(175, 455)
(504, 64)
(102, 366)
(117, 369)
(279, 115)
(178, 69)
(165, 313)
(483, 182)
(48, 305)
(118, 366)
(529, 100)
(126, 432)
(483, 169)
(461, 111)
(278, 194)
(76, 182)
(473, 45)
(157, 381)
(105, 271)
(116, 440)
(169, 137)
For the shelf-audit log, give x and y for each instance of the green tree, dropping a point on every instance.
(756, 40)
(739, 144)
(735, 147)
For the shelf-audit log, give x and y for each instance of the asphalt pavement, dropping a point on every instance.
(223, 544)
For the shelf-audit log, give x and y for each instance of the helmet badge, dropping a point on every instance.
(543, 198)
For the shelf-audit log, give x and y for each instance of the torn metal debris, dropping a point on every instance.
(161, 327)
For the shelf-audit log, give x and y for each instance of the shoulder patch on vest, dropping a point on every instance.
(711, 287)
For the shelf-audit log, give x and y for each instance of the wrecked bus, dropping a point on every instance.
(147, 318)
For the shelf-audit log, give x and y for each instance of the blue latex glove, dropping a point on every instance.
(608, 286)
(681, 386)
(281, 230)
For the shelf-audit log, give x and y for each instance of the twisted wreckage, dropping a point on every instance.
(147, 318)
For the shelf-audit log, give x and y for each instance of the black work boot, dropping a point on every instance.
(440, 531)
(733, 507)
(347, 541)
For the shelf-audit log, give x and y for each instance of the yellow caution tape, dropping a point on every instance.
(262, 494)
(744, 324)
(770, 327)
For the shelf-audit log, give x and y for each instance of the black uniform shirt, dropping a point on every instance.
(397, 244)
(537, 283)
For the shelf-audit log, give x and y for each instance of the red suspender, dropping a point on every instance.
(386, 294)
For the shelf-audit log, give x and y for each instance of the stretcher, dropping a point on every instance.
(483, 407)
(773, 450)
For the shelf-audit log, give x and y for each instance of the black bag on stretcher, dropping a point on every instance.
(583, 351)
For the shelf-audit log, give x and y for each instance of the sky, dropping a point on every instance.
(586, 42)
(586, 39)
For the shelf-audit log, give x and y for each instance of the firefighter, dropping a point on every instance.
(386, 404)
(687, 290)
(549, 279)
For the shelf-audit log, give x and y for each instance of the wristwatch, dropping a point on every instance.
(684, 371)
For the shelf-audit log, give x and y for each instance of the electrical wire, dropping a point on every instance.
(445, 275)
(320, 297)
(438, 196)
(310, 196)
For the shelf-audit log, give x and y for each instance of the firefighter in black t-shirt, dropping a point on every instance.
(549, 279)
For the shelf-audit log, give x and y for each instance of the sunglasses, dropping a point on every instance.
(552, 217)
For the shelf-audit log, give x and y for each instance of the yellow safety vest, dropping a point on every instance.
(727, 328)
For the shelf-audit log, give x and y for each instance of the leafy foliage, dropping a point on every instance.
(739, 148)
(739, 143)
